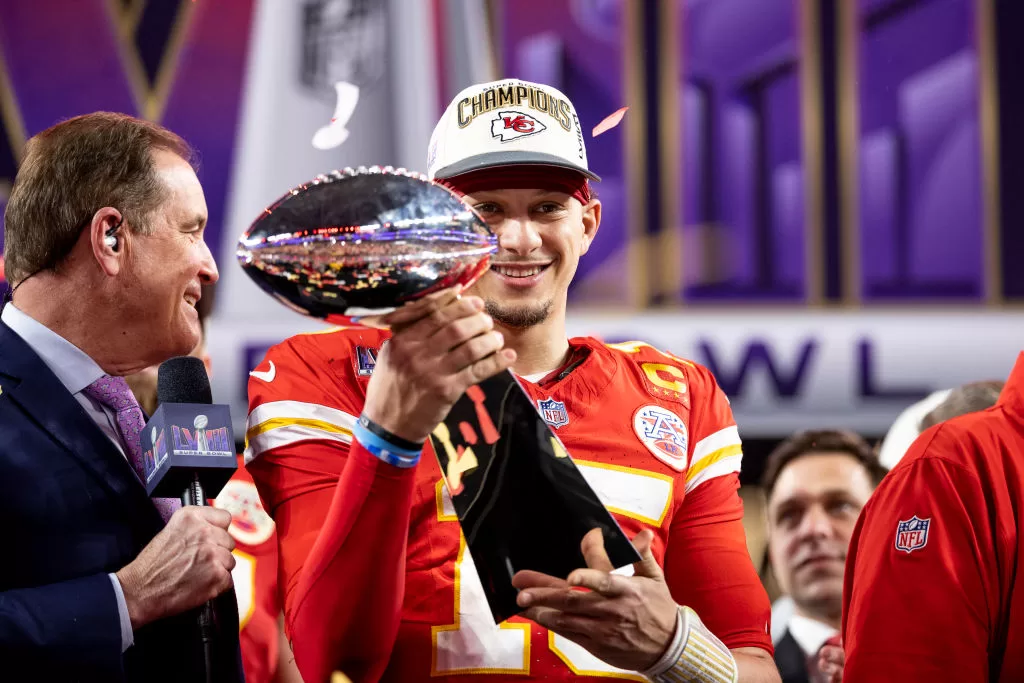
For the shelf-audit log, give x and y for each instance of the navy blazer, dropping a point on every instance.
(791, 660)
(74, 510)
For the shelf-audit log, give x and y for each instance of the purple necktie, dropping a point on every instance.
(114, 393)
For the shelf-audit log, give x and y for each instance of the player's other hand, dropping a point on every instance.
(440, 346)
(832, 659)
(627, 621)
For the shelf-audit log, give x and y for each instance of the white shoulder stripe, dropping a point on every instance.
(717, 469)
(281, 423)
(287, 435)
(730, 436)
(298, 409)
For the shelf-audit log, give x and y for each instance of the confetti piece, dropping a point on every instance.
(335, 133)
(609, 122)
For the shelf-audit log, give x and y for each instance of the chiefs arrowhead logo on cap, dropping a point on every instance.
(511, 125)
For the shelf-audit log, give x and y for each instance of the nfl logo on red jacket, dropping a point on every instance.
(912, 534)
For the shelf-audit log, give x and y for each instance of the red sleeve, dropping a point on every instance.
(922, 613)
(708, 567)
(707, 564)
(347, 604)
(342, 516)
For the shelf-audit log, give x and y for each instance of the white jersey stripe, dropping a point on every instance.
(296, 410)
(721, 468)
(288, 434)
(729, 436)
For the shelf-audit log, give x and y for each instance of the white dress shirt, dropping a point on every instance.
(70, 364)
(810, 634)
(782, 612)
(76, 371)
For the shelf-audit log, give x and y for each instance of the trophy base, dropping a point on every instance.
(519, 497)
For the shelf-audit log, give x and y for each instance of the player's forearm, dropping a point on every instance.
(755, 665)
(347, 605)
(696, 655)
(287, 671)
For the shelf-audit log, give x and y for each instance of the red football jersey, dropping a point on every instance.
(937, 553)
(254, 575)
(653, 435)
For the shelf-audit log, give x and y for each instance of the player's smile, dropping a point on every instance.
(520, 275)
(542, 233)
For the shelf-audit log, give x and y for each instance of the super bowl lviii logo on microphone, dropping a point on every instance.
(155, 456)
(198, 440)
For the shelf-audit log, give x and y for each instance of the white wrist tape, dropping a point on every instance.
(694, 656)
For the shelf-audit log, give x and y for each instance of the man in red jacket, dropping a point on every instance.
(937, 554)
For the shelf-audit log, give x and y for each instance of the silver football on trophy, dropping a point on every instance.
(353, 243)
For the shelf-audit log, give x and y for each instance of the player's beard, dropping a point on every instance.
(522, 316)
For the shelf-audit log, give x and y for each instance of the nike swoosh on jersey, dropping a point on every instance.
(266, 376)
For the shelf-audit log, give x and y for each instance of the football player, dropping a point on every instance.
(377, 577)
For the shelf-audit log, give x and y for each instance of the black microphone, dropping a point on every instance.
(189, 453)
(188, 444)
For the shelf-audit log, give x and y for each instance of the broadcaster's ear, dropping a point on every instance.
(106, 238)
(591, 222)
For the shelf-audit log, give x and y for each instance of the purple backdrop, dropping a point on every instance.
(64, 58)
(742, 202)
(921, 221)
(738, 146)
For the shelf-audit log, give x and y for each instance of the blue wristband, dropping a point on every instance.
(385, 450)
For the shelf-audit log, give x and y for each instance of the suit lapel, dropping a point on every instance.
(791, 660)
(29, 383)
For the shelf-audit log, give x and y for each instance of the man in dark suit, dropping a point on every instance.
(816, 483)
(104, 244)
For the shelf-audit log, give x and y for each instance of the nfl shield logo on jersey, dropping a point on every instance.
(664, 433)
(912, 534)
(553, 412)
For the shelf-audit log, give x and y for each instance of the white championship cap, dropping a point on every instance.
(507, 122)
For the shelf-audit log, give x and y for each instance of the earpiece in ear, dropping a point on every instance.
(110, 239)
